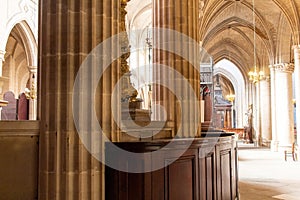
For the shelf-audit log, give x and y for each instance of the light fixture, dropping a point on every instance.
(255, 76)
(230, 97)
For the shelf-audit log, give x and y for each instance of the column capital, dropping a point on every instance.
(296, 47)
(265, 78)
(2, 53)
(32, 69)
(272, 67)
(285, 67)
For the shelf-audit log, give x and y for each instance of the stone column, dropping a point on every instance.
(225, 118)
(297, 89)
(274, 143)
(2, 53)
(256, 115)
(33, 91)
(182, 17)
(229, 118)
(284, 105)
(68, 31)
(265, 111)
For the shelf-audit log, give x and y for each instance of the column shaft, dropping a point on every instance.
(274, 143)
(68, 31)
(256, 115)
(297, 89)
(182, 17)
(229, 115)
(265, 112)
(284, 105)
(2, 53)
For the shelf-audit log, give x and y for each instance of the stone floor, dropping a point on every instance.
(266, 175)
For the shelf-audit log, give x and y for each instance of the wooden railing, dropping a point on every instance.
(19, 150)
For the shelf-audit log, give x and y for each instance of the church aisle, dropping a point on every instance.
(265, 175)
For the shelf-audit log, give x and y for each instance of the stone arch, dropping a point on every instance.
(237, 79)
(29, 41)
(284, 45)
(21, 53)
(20, 18)
(20, 61)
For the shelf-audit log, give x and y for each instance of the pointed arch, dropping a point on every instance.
(234, 75)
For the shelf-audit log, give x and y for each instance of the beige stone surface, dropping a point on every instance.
(249, 33)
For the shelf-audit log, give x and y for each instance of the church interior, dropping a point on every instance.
(151, 99)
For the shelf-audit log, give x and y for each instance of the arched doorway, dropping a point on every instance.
(233, 83)
(19, 74)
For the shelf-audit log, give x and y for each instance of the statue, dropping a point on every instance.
(248, 128)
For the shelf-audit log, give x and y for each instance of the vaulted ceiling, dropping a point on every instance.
(227, 29)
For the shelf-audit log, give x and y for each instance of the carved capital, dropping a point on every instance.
(296, 52)
(32, 69)
(265, 79)
(2, 53)
(285, 67)
(296, 47)
(272, 67)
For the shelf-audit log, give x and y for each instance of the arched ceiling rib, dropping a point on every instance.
(273, 18)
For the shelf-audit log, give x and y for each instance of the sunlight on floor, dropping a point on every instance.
(265, 175)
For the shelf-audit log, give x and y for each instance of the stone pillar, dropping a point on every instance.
(180, 16)
(229, 119)
(2, 53)
(256, 115)
(33, 92)
(225, 118)
(284, 105)
(68, 31)
(265, 111)
(274, 143)
(297, 89)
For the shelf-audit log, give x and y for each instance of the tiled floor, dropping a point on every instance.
(265, 175)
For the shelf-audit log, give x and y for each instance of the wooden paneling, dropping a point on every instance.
(19, 150)
(225, 174)
(206, 171)
(181, 171)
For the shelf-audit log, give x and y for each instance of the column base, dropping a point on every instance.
(284, 146)
(258, 142)
(266, 143)
(274, 145)
(32, 109)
